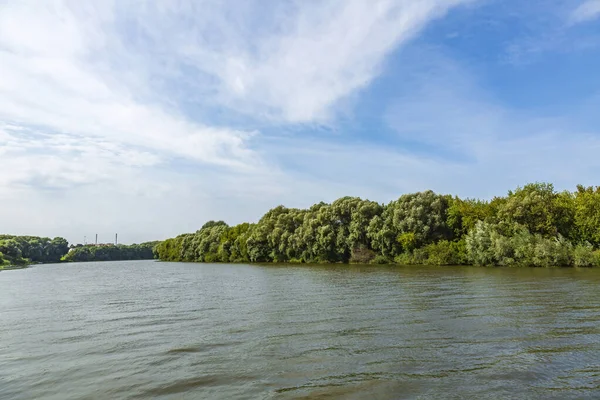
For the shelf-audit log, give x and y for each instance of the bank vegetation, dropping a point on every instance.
(534, 225)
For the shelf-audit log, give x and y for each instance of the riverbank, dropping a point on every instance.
(12, 267)
(378, 264)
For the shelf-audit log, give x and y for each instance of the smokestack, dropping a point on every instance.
(96, 239)
(116, 241)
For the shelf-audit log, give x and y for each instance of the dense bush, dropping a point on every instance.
(443, 252)
(584, 256)
(487, 245)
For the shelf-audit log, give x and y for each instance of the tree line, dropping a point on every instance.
(111, 252)
(25, 250)
(534, 225)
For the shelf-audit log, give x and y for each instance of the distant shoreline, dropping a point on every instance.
(532, 226)
(27, 250)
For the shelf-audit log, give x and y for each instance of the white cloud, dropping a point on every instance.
(56, 73)
(326, 55)
(90, 68)
(60, 161)
(586, 11)
(299, 61)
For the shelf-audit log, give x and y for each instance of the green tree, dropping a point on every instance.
(464, 214)
(539, 208)
(11, 249)
(587, 214)
(422, 214)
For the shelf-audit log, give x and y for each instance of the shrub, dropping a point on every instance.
(420, 256)
(510, 245)
(479, 244)
(584, 256)
(447, 253)
(563, 252)
(407, 240)
(404, 259)
(379, 259)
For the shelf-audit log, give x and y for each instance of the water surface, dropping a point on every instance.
(145, 329)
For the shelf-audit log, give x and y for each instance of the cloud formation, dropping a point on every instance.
(586, 11)
(151, 117)
(118, 70)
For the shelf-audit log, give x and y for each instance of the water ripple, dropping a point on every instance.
(134, 330)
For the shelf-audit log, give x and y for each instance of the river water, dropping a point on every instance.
(145, 329)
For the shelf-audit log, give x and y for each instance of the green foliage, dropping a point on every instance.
(443, 252)
(23, 250)
(407, 241)
(381, 260)
(172, 249)
(533, 226)
(584, 256)
(446, 253)
(587, 214)
(487, 244)
(111, 252)
(479, 243)
(540, 209)
(234, 243)
(463, 215)
(403, 259)
(413, 220)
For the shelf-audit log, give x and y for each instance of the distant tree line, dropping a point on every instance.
(23, 250)
(111, 252)
(533, 225)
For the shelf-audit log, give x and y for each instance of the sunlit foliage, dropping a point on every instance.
(532, 226)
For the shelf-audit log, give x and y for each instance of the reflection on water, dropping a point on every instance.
(145, 329)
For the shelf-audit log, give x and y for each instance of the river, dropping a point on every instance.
(146, 329)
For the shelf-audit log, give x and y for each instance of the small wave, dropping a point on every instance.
(182, 386)
(201, 348)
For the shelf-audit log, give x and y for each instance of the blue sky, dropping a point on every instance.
(148, 118)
